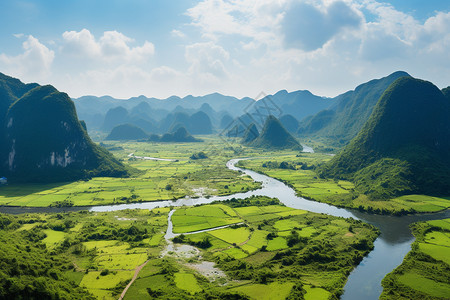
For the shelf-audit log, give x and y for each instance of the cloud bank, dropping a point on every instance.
(243, 47)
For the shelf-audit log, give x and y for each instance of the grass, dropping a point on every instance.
(425, 285)
(287, 224)
(76, 277)
(277, 244)
(443, 224)
(438, 238)
(258, 239)
(27, 226)
(121, 261)
(155, 240)
(438, 252)
(53, 237)
(115, 243)
(187, 282)
(184, 176)
(342, 193)
(200, 218)
(232, 236)
(271, 291)
(424, 271)
(93, 279)
(314, 293)
(422, 203)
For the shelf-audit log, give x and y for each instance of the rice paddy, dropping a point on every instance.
(424, 271)
(157, 180)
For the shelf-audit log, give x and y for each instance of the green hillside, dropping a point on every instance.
(115, 116)
(275, 136)
(11, 89)
(126, 132)
(181, 135)
(404, 147)
(200, 123)
(45, 141)
(250, 134)
(342, 122)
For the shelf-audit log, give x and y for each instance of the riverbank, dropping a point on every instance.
(298, 172)
(394, 230)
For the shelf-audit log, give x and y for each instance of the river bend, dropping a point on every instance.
(364, 282)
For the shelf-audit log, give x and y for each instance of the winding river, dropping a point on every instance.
(364, 282)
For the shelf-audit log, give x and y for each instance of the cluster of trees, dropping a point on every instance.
(29, 271)
(199, 155)
(204, 243)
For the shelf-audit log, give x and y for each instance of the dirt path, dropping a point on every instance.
(136, 273)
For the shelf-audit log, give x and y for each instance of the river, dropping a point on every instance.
(364, 282)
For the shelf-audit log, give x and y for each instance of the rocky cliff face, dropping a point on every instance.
(44, 141)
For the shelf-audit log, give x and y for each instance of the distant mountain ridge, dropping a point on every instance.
(126, 132)
(298, 103)
(274, 136)
(344, 119)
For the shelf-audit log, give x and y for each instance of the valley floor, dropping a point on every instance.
(298, 171)
(271, 251)
(268, 251)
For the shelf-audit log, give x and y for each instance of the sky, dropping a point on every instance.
(159, 48)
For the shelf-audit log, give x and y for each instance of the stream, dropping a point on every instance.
(364, 282)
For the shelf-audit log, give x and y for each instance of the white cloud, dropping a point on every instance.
(111, 46)
(33, 64)
(254, 19)
(178, 33)
(207, 60)
(164, 73)
(243, 47)
(80, 44)
(327, 46)
(309, 27)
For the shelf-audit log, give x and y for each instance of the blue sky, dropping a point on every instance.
(235, 47)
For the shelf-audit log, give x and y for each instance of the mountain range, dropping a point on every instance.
(344, 119)
(219, 108)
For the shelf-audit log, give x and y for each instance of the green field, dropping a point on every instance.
(436, 251)
(53, 237)
(313, 293)
(232, 236)
(425, 285)
(424, 271)
(157, 180)
(202, 217)
(272, 291)
(266, 255)
(277, 243)
(105, 247)
(291, 243)
(187, 282)
(302, 177)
